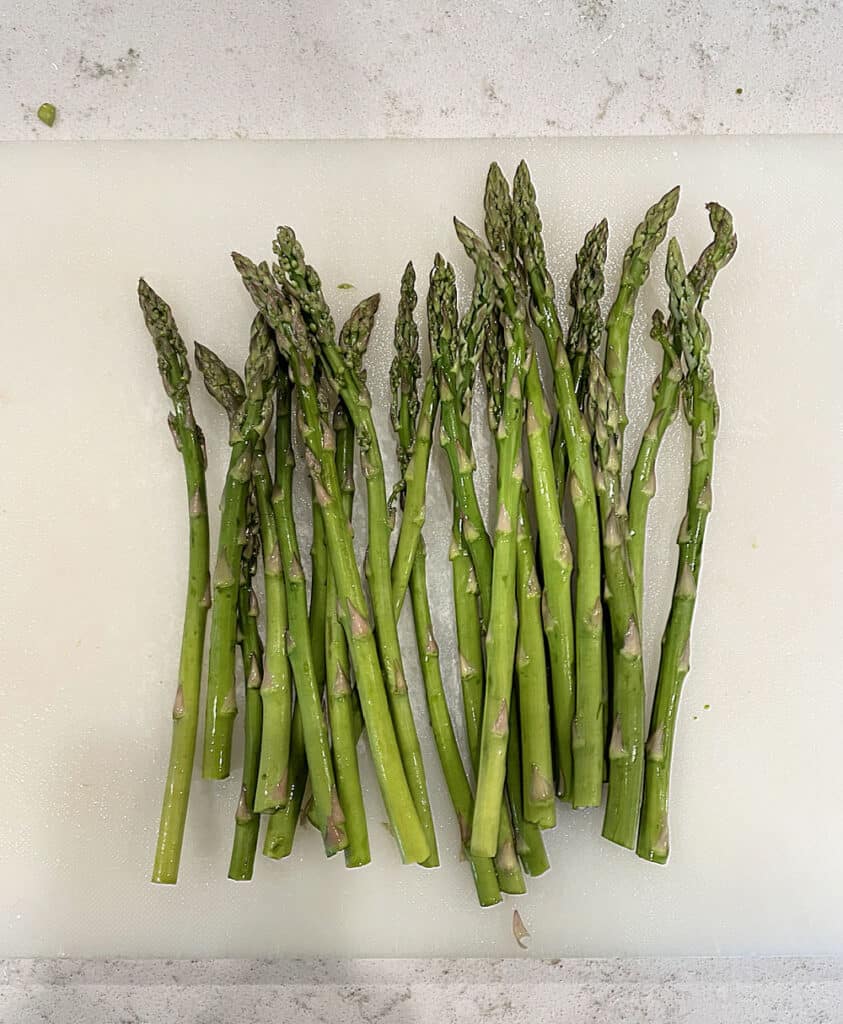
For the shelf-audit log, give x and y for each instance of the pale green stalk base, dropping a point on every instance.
(528, 838)
(246, 820)
(281, 824)
(539, 800)
(626, 755)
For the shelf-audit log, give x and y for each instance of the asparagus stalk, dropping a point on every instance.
(276, 687)
(246, 821)
(411, 419)
(626, 763)
(455, 347)
(285, 316)
(413, 423)
(702, 414)
(342, 367)
(501, 636)
(528, 838)
(642, 485)
(470, 645)
(175, 375)
(531, 665)
(554, 548)
(281, 825)
(249, 411)
(647, 238)
(318, 594)
(469, 638)
(327, 807)
(587, 730)
(338, 674)
(459, 790)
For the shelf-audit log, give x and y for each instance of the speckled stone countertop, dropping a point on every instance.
(383, 68)
(691, 991)
(430, 69)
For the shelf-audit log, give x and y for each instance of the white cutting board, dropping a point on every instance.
(94, 530)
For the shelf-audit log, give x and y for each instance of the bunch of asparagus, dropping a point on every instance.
(551, 673)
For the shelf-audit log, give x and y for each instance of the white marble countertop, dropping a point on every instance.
(668, 991)
(431, 69)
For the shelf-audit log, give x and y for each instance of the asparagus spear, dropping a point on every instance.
(554, 548)
(328, 810)
(175, 375)
(318, 593)
(411, 419)
(528, 838)
(413, 423)
(246, 821)
(469, 638)
(626, 764)
(458, 364)
(276, 687)
(285, 316)
(249, 411)
(642, 485)
(455, 347)
(341, 366)
(587, 730)
(701, 412)
(501, 636)
(459, 790)
(338, 674)
(281, 825)
(531, 666)
(647, 238)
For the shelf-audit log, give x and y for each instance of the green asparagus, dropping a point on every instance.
(190, 442)
(501, 635)
(626, 763)
(587, 730)
(246, 820)
(701, 411)
(413, 425)
(340, 695)
(642, 485)
(327, 807)
(342, 367)
(249, 411)
(647, 238)
(554, 549)
(285, 316)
